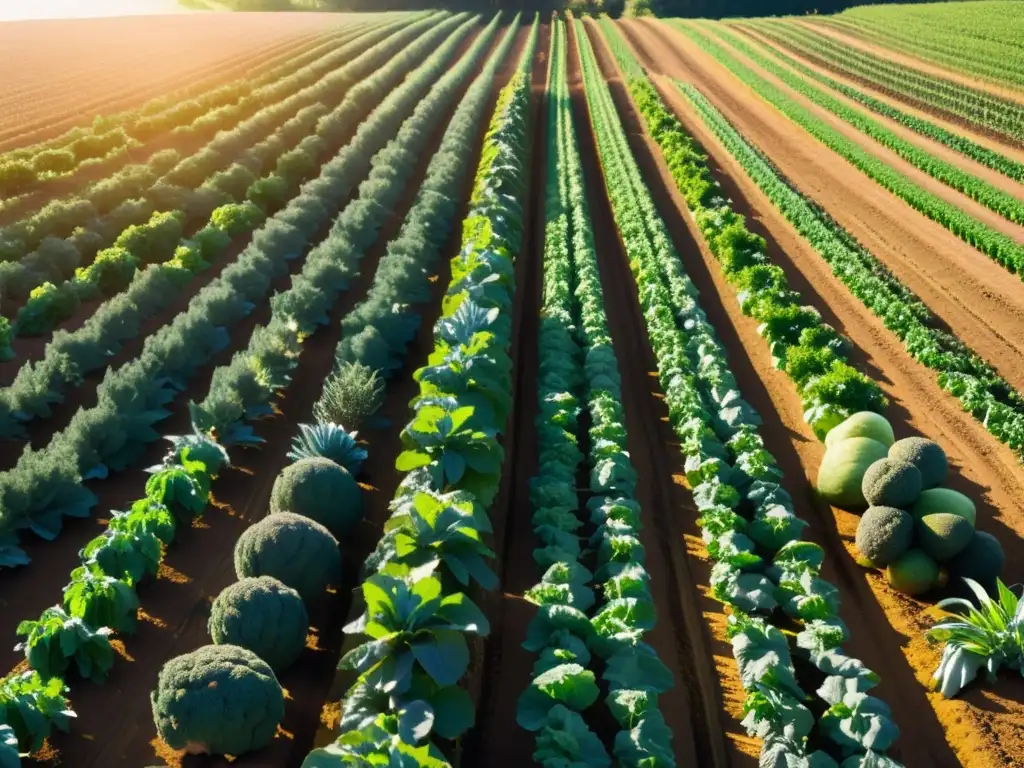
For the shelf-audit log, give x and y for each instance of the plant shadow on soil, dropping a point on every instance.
(876, 642)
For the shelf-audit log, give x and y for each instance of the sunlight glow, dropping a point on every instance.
(14, 10)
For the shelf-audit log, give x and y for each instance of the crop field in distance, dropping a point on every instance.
(449, 389)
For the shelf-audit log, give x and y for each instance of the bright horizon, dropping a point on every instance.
(17, 10)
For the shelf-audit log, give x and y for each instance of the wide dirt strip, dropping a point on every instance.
(983, 724)
(127, 60)
(942, 120)
(990, 175)
(913, 62)
(175, 608)
(975, 297)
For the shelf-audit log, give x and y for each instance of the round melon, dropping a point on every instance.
(927, 456)
(943, 536)
(883, 534)
(891, 483)
(936, 500)
(913, 573)
(863, 424)
(982, 560)
(842, 470)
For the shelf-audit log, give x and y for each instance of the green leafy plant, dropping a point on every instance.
(33, 707)
(56, 639)
(351, 395)
(411, 622)
(380, 743)
(183, 488)
(101, 600)
(330, 441)
(987, 636)
(124, 555)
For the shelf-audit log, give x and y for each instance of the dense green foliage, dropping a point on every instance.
(264, 616)
(293, 549)
(750, 529)
(217, 700)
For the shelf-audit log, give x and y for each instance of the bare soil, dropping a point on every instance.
(200, 564)
(989, 175)
(914, 62)
(981, 728)
(61, 73)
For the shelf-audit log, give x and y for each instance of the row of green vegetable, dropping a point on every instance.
(971, 106)
(982, 154)
(46, 484)
(284, 561)
(417, 615)
(991, 197)
(189, 113)
(605, 610)
(923, 535)
(997, 246)
(288, 145)
(750, 529)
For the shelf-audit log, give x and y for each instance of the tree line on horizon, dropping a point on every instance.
(713, 9)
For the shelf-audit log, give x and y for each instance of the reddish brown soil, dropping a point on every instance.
(937, 149)
(948, 120)
(62, 73)
(982, 728)
(199, 565)
(913, 62)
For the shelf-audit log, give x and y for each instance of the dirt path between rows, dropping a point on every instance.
(930, 184)
(872, 639)
(175, 607)
(974, 296)
(121, 62)
(982, 728)
(913, 62)
(949, 121)
(935, 148)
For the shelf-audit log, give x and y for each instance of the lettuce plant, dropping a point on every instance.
(56, 639)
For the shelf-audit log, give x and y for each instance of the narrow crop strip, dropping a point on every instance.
(1003, 203)
(996, 245)
(46, 484)
(416, 616)
(954, 141)
(747, 517)
(579, 371)
(971, 106)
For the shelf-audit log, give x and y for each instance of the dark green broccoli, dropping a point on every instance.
(321, 490)
(263, 615)
(217, 700)
(300, 552)
(891, 483)
(927, 456)
(884, 533)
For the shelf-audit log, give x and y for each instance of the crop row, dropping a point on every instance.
(991, 197)
(70, 356)
(747, 518)
(963, 145)
(416, 617)
(999, 247)
(987, 59)
(971, 106)
(280, 134)
(986, 20)
(184, 113)
(46, 484)
(604, 611)
(101, 597)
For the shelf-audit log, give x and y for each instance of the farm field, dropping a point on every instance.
(455, 389)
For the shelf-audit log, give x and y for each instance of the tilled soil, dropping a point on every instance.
(913, 62)
(61, 73)
(982, 727)
(175, 607)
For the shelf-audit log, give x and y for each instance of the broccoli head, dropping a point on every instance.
(263, 615)
(217, 700)
(926, 455)
(321, 490)
(891, 483)
(294, 549)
